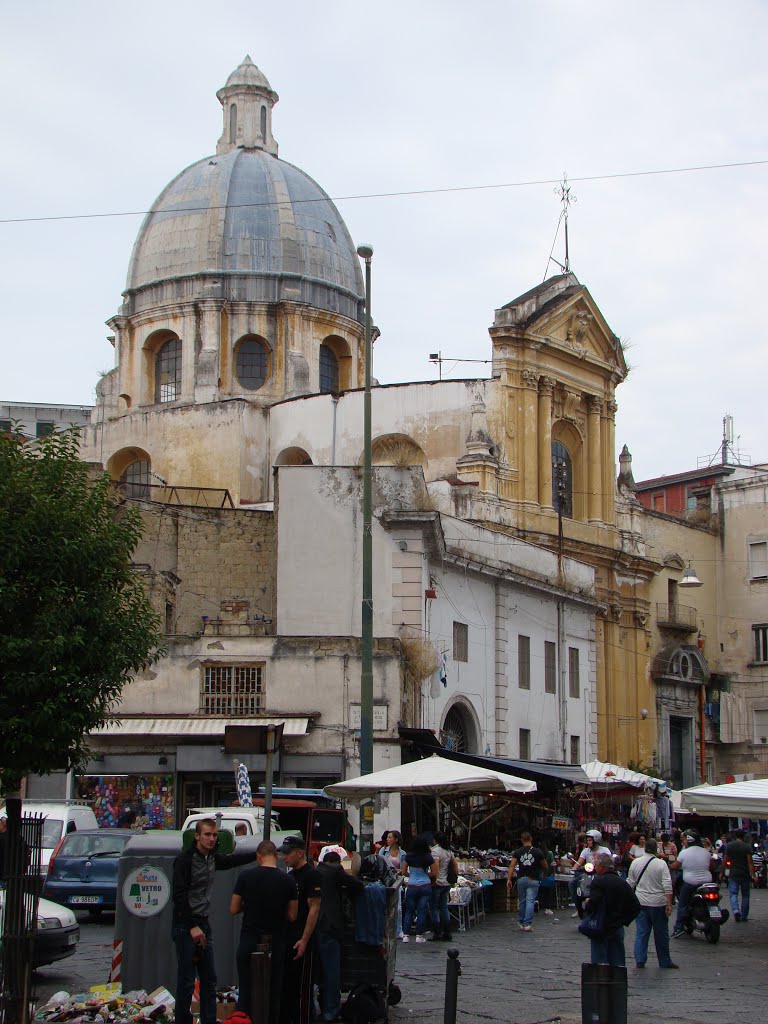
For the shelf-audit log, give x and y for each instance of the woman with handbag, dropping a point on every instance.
(447, 874)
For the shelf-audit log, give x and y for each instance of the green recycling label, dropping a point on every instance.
(146, 890)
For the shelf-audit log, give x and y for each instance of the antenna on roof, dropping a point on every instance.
(563, 190)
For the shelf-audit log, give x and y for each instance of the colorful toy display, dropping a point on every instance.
(129, 801)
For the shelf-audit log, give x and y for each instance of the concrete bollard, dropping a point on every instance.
(452, 972)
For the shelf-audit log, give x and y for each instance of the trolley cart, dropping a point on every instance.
(362, 964)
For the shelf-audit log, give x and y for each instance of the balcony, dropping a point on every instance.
(678, 617)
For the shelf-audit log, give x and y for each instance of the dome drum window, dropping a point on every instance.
(252, 363)
(168, 372)
(329, 371)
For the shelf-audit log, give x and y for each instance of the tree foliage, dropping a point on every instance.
(75, 620)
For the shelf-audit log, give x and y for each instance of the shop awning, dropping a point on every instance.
(190, 727)
(748, 799)
(541, 772)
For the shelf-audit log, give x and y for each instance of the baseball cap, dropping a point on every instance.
(291, 843)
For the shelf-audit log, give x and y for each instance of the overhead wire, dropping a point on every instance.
(404, 193)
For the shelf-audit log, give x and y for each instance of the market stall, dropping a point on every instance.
(748, 799)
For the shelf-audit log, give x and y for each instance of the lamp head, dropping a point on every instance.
(365, 251)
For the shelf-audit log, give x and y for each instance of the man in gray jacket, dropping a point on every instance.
(650, 878)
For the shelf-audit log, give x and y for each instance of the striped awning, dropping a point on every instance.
(190, 727)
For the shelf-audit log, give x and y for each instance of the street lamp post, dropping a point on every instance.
(365, 252)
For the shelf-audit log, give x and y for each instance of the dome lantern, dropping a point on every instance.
(247, 99)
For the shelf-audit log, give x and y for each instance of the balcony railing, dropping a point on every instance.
(195, 497)
(676, 616)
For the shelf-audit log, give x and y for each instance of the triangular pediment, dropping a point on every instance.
(576, 323)
(561, 310)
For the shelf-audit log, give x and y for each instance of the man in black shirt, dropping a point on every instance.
(193, 874)
(531, 867)
(269, 901)
(296, 1005)
(330, 928)
(738, 859)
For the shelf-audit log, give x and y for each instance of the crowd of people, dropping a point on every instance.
(641, 880)
(297, 916)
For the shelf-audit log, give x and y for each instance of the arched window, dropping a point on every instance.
(251, 363)
(263, 122)
(233, 123)
(135, 481)
(562, 480)
(329, 371)
(168, 371)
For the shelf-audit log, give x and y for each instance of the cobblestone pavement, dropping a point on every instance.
(512, 977)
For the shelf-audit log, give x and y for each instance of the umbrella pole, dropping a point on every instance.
(437, 813)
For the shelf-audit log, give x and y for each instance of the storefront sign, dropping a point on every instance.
(146, 890)
(562, 823)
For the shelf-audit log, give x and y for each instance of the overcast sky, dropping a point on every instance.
(102, 104)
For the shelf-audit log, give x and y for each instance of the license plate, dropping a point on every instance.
(715, 913)
(72, 939)
(85, 900)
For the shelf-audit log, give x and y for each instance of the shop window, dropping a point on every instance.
(574, 683)
(525, 744)
(251, 363)
(168, 371)
(232, 690)
(136, 480)
(43, 428)
(760, 633)
(126, 801)
(524, 662)
(329, 371)
(460, 641)
(761, 726)
(562, 480)
(758, 560)
(550, 667)
(575, 750)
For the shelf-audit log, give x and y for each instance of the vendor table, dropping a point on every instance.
(470, 911)
(562, 895)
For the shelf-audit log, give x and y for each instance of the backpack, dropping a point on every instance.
(374, 868)
(632, 908)
(365, 1005)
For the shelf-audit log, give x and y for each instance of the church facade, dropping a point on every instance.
(508, 562)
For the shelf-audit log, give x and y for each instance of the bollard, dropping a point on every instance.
(452, 972)
(603, 994)
(261, 970)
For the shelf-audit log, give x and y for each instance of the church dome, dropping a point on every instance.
(243, 225)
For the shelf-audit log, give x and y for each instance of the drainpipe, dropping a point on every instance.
(561, 649)
(702, 736)
(335, 403)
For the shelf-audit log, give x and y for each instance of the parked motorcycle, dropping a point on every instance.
(705, 913)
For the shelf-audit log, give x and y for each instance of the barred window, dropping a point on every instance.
(460, 641)
(232, 690)
(574, 682)
(550, 667)
(524, 662)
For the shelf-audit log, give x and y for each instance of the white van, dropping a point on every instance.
(230, 817)
(61, 818)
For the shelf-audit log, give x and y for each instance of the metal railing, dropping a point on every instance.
(195, 497)
(18, 916)
(676, 616)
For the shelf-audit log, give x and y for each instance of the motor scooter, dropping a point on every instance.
(705, 913)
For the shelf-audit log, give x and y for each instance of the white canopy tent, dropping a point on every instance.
(437, 777)
(433, 776)
(733, 799)
(605, 773)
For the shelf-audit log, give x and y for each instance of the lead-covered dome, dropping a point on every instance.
(244, 225)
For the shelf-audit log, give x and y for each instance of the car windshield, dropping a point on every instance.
(79, 845)
(52, 829)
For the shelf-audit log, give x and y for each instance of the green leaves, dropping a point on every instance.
(75, 621)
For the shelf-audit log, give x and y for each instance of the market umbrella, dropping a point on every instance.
(433, 776)
(747, 799)
(243, 779)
